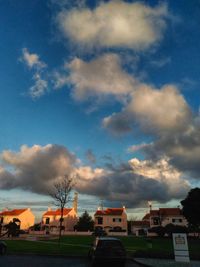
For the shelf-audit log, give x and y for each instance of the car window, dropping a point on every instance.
(109, 243)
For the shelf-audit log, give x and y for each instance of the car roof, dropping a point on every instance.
(108, 238)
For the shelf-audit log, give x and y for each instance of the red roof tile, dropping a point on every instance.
(110, 211)
(15, 212)
(56, 212)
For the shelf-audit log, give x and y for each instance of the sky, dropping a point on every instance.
(105, 91)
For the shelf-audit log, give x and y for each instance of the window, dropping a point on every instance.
(99, 220)
(177, 220)
(117, 219)
(47, 220)
(1, 220)
(156, 221)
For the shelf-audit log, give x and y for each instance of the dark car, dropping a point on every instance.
(3, 247)
(107, 251)
(99, 232)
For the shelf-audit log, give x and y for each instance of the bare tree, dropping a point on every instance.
(61, 195)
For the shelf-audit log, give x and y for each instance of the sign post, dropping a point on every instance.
(181, 248)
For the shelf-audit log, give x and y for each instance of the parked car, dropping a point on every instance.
(107, 250)
(3, 247)
(99, 232)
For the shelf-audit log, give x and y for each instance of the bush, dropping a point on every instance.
(159, 230)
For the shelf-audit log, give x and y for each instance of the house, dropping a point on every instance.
(111, 219)
(51, 218)
(164, 216)
(24, 217)
(160, 217)
(140, 227)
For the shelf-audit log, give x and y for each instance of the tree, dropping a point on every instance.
(191, 208)
(173, 228)
(85, 222)
(61, 195)
(159, 230)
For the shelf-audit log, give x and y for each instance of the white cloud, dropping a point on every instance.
(115, 24)
(99, 77)
(155, 110)
(39, 88)
(32, 60)
(164, 109)
(161, 171)
(136, 148)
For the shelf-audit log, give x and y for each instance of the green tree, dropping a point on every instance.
(85, 223)
(191, 208)
(159, 230)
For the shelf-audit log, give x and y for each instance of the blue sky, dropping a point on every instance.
(112, 87)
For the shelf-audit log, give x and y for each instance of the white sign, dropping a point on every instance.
(181, 247)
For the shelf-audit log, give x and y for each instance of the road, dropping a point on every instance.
(45, 261)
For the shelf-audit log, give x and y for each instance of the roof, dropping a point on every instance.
(15, 212)
(146, 217)
(107, 238)
(57, 212)
(166, 212)
(170, 211)
(141, 223)
(163, 212)
(110, 211)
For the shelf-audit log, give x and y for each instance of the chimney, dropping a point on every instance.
(75, 202)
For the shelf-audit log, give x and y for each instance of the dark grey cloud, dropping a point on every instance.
(133, 187)
(182, 148)
(118, 123)
(35, 168)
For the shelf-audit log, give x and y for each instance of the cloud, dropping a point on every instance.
(99, 77)
(135, 148)
(183, 149)
(117, 123)
(90, 156)
(39, 88)
(155, 110)
(32, 60)
(134, 183)
(35, 168)
(114, 24)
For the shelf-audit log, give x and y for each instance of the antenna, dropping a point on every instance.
(150, 205)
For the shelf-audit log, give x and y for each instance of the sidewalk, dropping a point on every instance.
(166, 263)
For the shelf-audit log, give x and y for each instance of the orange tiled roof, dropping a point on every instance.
(56, 212)
(110, 211)
(15, 212)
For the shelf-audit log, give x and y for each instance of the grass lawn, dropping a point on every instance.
(79, 245)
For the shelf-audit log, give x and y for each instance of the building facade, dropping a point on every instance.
(25, 217)
(51, 219)
(111, 219)
(165, 216)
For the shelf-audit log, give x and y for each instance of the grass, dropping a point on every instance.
(79, 245)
